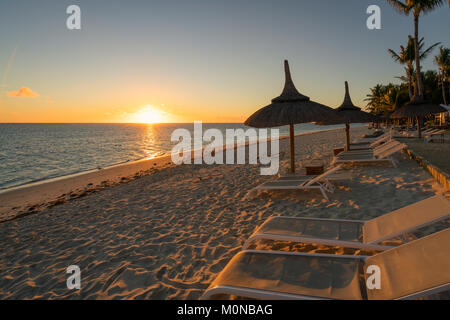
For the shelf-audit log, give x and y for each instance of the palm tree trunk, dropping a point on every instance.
(410, 88)
(443, 90)
(415, 89)
(292, 143)
(347, 136)
(419, 93)
(410, 82)
(419, 129)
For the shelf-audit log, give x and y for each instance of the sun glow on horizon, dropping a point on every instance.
(150, 114)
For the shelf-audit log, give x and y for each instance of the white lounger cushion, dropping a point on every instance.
(417, 266)
(322, 277)
(412, 270)
(405, 219)
(316, 182)
(342, 230)
(354, 234)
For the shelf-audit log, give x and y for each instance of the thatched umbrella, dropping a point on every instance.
(396, 106)
(349, 113)
(381, 117)
(417, 109)
(290, 108)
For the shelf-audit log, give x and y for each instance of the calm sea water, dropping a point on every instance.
(36, 152)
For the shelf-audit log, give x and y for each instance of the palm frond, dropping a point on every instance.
(394, 54)
(427, 6)
(400, 6)
(425, 53)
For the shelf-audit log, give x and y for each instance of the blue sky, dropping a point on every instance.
(194, 59)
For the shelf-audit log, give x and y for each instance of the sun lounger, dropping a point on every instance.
(410, 271)
(337, 176)
(414, 134)
(384, 156)
(375, 152)
(368, 151)
(372, 151)
(436, 135)
(371, 142)
(385, 138)
(320, 182)
(407, 133)
(354, 233)
(428, 130)
(431, 132)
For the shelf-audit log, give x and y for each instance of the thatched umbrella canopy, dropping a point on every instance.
(380, 117)
(349, 113)
(290, 108)
(417, 109)
(396, 107)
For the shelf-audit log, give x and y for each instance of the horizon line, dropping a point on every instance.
(111, 122)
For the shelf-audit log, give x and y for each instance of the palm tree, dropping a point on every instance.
(406, 56)
(431, 89)
(448, 76)
(382, 98)
(423, 55)
(391, 96)
(375, 98)
(416, 7)
(443, 62)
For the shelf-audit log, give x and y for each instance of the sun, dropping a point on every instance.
(150, 114)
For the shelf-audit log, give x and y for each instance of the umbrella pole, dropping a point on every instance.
(419, 131)
(292, 143)
(347, 135)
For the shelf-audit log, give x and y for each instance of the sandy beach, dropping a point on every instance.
(33, 198)
(165, 233)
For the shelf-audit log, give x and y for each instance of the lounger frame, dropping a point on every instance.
(267, 294)
(273, 295)
(374, 245)
(372, 142)
(384, 156)
(371, 151)
(310, 240)
(316, 183)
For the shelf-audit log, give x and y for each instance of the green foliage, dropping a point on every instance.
(417, 8)
(429, 85)
(383, 99)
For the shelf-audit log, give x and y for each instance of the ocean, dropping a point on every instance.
(35, 152)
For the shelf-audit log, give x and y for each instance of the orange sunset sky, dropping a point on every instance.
(181, 61)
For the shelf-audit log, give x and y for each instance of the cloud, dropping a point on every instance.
(23, 92)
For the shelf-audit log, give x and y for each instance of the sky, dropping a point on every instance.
(187, 60)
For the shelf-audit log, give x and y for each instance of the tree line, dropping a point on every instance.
(416, 84)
